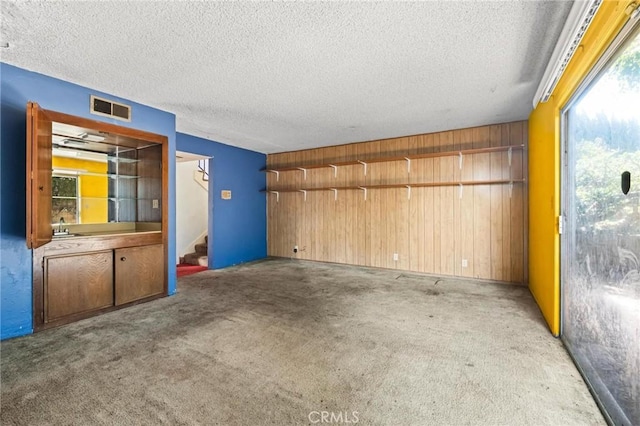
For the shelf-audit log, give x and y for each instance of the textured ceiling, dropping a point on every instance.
(275, 77)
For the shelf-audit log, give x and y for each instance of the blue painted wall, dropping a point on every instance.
(17, 86)
(238, 226)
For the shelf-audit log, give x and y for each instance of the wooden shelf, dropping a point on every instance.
(407, 186)
(398, 158)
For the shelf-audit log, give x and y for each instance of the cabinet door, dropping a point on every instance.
(139, 273)
(78, 283)
(39, 144)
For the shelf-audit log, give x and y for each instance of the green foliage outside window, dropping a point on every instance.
(64, 204)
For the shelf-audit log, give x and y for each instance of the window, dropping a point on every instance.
(65, 203)
(601, 240)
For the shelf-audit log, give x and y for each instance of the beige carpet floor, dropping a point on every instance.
(290, 342)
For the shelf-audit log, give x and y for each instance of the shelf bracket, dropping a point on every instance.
(335, 194)
(365, 166)
(408, 192)
(408, 164)
(510, 155)
(277, 195)
(304, 192)
(460, 193)
(460, 160)
(276, 172)
(303, 171)
(365, 192)
(335, 170)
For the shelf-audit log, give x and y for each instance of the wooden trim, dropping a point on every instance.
(165, 214)
(31, 133)
(397, 158)
(88, 314)
(38, 288)
(105, 127)
(38, 208)
(73, 245)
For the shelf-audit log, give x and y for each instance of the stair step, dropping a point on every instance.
(196, 259)
(201, 248)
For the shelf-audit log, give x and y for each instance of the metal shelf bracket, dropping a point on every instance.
(365, 192)
(304, 171)
(276, 172)
(365, 166)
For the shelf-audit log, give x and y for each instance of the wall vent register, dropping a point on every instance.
(104, 107)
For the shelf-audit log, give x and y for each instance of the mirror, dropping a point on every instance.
(100, 178)
(80, 186)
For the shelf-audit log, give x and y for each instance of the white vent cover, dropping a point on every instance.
(107, 108)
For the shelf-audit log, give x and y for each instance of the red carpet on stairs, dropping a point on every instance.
(186, 269)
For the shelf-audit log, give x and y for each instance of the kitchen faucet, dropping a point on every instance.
(60, 223)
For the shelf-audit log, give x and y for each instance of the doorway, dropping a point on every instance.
(600, 300)
(192, 213)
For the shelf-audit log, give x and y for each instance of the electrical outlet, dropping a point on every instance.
(155, 204)
(465, 263)
(395, 257)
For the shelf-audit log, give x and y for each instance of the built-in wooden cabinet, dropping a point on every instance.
(89, 281)
(138, 274)
(97, 215)
(78, 283)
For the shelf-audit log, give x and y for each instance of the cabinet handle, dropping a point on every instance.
(41, 188)
(123, 258)
(626, 182)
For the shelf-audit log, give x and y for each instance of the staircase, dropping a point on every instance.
(199, 257)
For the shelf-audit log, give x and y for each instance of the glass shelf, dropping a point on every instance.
(116, 159)
(106, 198)
(62, 171)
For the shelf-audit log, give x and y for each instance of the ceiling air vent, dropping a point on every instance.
(111, 109)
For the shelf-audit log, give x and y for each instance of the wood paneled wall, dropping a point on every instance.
(433, 231)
